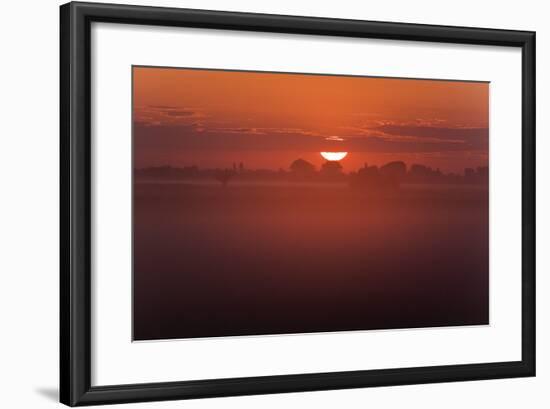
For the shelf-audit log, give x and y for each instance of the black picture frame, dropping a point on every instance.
(75, 203)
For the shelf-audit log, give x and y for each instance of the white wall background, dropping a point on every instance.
(29, 204)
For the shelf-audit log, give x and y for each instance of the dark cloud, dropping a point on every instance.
(434, 132)
(165, 115)
(179, 113)
(419, 136)
(239, 130)
(386, 139)
(448, 138)
(264, 131)
(162, 107)
(189, 137)
(391, 145)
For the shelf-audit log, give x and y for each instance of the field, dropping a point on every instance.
(281, 258)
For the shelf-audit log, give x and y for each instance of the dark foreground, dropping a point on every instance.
(242, 260)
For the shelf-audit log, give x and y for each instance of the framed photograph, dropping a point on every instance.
(258, 203)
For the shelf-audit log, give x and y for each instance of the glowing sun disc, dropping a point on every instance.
(334, 156)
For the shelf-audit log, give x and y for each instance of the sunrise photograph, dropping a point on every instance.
(270, 203)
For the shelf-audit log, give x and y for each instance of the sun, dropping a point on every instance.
(334, 156)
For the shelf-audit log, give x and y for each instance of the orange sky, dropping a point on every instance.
(213, 118)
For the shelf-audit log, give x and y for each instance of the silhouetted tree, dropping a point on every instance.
(384, 179)
(483, 173)
(223, 176)
(469, 175)
(424, 174)
(331, 168)
(367, 178)
(302, 167)
(369, 172)
(388, 177)
(396, 171)
(420, 171)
